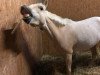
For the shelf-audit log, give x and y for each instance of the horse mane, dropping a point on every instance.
(57, 19)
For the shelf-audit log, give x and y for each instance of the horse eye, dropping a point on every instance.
(40, 7)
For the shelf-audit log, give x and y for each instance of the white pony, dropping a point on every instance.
(72, 35)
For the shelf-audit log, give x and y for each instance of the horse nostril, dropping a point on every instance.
(23, 9)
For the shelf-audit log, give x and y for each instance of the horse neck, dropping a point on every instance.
(62, 21)
(55, 31)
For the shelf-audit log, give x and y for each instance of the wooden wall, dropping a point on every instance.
(75, 9)
(20, 51)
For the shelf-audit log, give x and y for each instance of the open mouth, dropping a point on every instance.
(26, 11)
(27, 15)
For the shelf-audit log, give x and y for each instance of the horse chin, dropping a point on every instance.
(27, 19)
(36, 23)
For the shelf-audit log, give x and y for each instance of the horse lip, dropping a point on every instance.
(25, 10)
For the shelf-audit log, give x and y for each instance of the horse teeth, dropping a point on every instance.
(26, 15)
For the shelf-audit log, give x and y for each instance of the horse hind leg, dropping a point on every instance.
(95, 54)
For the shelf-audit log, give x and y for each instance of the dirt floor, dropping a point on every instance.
(81, 65)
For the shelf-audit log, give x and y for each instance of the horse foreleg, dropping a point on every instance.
(68, 63)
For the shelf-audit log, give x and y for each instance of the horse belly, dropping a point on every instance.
(83, 46)
(87, 33)
(87, 39)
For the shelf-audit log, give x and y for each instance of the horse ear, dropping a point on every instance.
(45, 2)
